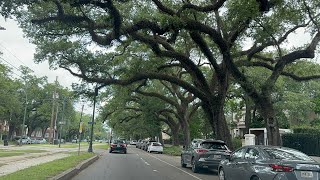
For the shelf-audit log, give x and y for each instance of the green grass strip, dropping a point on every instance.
(173, 150)
(101, 146)
(50, 169)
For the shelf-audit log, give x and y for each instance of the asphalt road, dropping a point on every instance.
(140, 165)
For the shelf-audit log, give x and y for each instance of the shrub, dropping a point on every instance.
(237, 143)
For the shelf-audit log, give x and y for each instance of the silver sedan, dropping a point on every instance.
(268, 163)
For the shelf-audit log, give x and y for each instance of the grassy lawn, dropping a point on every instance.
(7, 152)
(172, 150)
(43, 171)
(64, 145)
(101, 146)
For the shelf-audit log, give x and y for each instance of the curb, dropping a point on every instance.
(68, 174)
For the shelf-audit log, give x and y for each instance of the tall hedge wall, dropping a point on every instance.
(304, 142)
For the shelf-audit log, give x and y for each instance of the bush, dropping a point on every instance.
(237, 143)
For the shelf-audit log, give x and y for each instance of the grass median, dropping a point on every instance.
(50, 169)
(9, 152)
(172, 150)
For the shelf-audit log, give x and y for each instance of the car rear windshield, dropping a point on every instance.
(156, 144)
(214, 145)
(118, 142)
(287, 154)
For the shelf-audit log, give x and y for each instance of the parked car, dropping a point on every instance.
(269, 162)
(34, 141)
(205, 154)
(138, 143)
(74, 141)
(147, 144)
(155, 147)
(133, 142)
(142, 144)
(42, 141)
(118, 145)
(24, 140)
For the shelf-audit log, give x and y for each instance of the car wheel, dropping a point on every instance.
(222, 176)
(125, 152)
(182, 163)
(195, 168)
(110, 151)
(255, 178)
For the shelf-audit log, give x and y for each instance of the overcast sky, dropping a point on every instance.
(18, 51)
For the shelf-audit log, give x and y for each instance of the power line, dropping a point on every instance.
(13, 67)
(12, 54)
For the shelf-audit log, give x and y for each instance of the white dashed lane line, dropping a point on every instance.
(175, 167)
(145, 162)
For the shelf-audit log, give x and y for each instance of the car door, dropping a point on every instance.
(232, 169)
(250, 158)
(188, 154)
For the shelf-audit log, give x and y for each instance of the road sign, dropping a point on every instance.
(81, 127)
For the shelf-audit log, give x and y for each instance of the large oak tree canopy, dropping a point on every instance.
(152, 36)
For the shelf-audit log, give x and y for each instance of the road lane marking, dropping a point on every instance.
(145, 162)
(155, 170)
(175, 167)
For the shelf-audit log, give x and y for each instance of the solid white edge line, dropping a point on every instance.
(176, 167)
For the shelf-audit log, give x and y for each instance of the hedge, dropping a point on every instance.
(306, 130)
(304, 142)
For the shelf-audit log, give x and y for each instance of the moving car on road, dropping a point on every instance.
(155, 147)
(268, 162)
(119, 146)
(204, 154)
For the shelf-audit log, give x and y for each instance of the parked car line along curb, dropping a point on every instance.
(68, 174)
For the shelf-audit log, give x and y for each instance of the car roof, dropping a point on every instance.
(212, 140)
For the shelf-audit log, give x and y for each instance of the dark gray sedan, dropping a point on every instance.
(206, 153)
(268, 163)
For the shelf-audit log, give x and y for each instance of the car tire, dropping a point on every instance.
(195, 168)
(110, 151)
(125, 152)
(255, 178)
(221, 174)
(182, 163)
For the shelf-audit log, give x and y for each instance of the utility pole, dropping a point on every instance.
(62, 120)
(52, 112)
(80, 129)
(24, 115)
(96, 89)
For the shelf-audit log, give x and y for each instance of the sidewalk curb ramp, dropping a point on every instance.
(70, 173)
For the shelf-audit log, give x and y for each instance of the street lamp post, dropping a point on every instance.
(92, 122)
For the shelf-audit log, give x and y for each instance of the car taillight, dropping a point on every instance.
(201, 151)
(280, 168)
(123, 145)
(113, 145)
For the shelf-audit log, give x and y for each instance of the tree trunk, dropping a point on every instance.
(186, 133)
(175, 136)
(271, 123)
(44, 131)
(11, 131)
(248, 116)
(221, 128)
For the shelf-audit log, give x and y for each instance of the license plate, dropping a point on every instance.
(118, 145)
(306, 174)
(216, 156)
